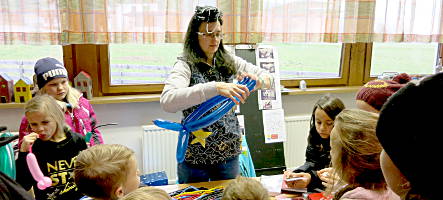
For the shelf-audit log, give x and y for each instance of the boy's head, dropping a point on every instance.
(245, 189)
(147, 193)
(106, 171)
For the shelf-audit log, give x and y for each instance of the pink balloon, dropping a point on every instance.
(42, 181)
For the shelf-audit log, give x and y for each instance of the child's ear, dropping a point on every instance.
(119, 192)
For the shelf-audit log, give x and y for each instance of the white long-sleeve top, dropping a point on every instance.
(177, 95)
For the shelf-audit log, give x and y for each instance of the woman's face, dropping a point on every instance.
(323, 123)
(209, 42)
(42, 124)
(57, 88)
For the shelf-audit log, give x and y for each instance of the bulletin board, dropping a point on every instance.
(268, 158)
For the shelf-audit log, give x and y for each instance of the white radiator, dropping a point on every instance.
(297, 129)
(159, 146)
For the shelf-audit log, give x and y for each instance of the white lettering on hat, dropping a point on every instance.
(55, 72)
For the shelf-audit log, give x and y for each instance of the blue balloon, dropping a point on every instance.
(195, 121)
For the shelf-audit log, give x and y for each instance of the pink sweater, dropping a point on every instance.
(365, 194)
(79, 120)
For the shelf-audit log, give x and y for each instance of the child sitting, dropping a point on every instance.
(107, 171)
(317, 152)
(55, 148)
(147, 193)
(243, 188)
(355, 156)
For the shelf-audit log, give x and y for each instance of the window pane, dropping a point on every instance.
(142, 64)
(17, 60)
(411, 58)
(309, 60)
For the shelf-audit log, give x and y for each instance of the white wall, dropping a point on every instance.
(131, 116)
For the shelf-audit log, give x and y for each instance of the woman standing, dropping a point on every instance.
(205, 70)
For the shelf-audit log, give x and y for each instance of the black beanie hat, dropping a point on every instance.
(47, 69)
(409, 131)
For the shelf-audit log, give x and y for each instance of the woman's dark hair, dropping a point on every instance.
(332, 107)
(191, 49)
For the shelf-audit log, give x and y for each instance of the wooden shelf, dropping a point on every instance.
(322, 90)
(125, 99)
(103, 100)
(12, 105)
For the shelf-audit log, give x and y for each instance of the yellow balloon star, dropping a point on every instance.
(200, 136)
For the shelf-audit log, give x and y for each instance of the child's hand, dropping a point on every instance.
(27, 141)
(303, 182)
(326, 175)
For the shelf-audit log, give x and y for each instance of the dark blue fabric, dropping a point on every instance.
(188, 173)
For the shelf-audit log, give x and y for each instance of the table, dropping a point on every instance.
(172, 188)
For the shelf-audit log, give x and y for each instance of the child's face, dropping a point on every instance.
(133, 179)
(42, 124)
(323, 123)
(394, 178)
(57, 88)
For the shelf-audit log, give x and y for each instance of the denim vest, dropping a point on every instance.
(225, 141)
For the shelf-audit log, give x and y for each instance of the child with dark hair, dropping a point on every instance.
(409, 132)
(243, 188)
(375, 93)
(317, 153)
(355, 157)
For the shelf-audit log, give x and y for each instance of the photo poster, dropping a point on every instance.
(274, 125)
(267, 59)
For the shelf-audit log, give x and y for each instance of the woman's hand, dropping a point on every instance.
(327, 177)
(232, 90)
(261, 83)
(303, 182)
(27, 141)
(258, 83)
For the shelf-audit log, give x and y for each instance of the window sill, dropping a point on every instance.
(156, 97)
(103, 100)
(322, 90)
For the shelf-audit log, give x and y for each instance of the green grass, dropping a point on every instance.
(146, 54)
(410, 58)
(30, 52)
(309, 57)
(387, 57)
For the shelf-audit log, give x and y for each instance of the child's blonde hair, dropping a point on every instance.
(72, 95)
(147, 193)
(355, 150)
(101, 169)
(243, 188)
(47, 105)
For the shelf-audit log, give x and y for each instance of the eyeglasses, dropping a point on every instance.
(217, 35)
